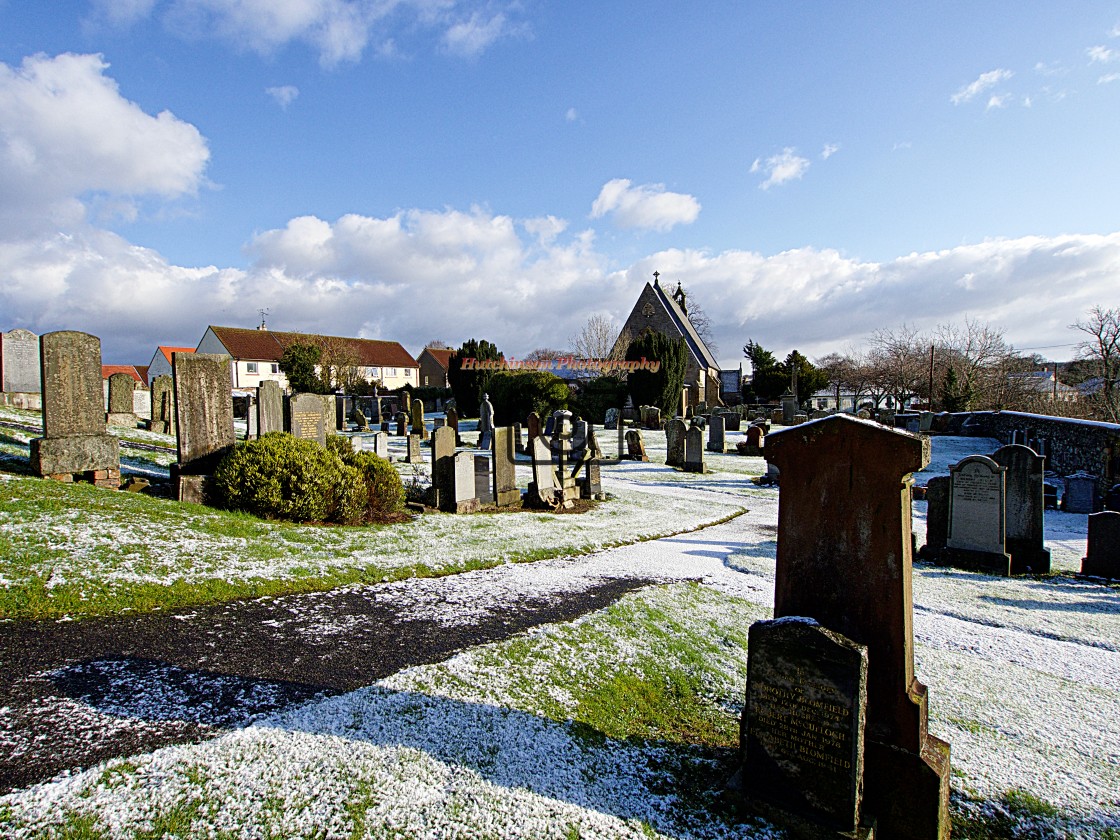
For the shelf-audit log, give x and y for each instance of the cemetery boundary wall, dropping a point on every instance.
(1074, 444)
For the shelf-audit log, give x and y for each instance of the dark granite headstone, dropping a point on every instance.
(483, 486)
(694, 449)
(844, 559)
(937, 517)
(1024, 509)
(1081, 493)
(804, 725)
(1102, 556)
(717, 438)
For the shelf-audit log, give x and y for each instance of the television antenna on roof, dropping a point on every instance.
(263, 313)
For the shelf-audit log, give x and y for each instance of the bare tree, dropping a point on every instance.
(982, 362)
(544, 354)
(437, 344)
(898, 364)
(597, 340)
(701, 323)
(1102, 350)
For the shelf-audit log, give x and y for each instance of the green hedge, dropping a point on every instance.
(283, 477)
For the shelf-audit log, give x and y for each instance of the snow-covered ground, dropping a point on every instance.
(1023, 677)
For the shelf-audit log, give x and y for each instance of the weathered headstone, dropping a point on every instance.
(937, 517)
(754, 441)
(452, 417)
(1081, 493)
(717, 439)
(505, 470)
(443, 467)
(1102, 555)
(307, 418)
(1024, 509)
(694, 450)
(418, 427)
(74, 438)
(532, 426)
(804, 725)
(19, 362)
(635, 446)
(789, 408)
(270, 407)
(204, 421)
(544, 489)
(977, 525)
(592, 480)
(518, 441)
(402, 424)
(412, 449)
(163, 404)
(674, 442)
(610, 419)
(777, 417)
(844, 559)
(121, 387)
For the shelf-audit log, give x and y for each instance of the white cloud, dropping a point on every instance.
(986, 81)
(829, 150)
(648, 206)
(284, 94)
(68, 132)
(471, 37)
(1102, 55)
(122, 12)
(785, 166)
(572, 115)
(1108, 78)
(999, 100)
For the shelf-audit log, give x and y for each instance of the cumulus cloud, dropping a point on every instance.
(785, 166)
(829, 150)
(985, 82)
(647, 206)
(1102, 55)
(284, 95)
(473, 273)
(68, 133)
(471, 37)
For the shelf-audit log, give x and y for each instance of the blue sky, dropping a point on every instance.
(421, 169)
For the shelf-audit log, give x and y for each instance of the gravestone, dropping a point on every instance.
(544, 489)
(443, 467)
(270, 407)
(1024, 509)
(483, 486)
(753, 443)
(532, 426)
(452, 417)
(19, 362)
(717, 439)
(976, 538)
(412, 449)
(120, 413)
(418, 427)
(937, 517)
(592, 480)
(74, 438)
(381, 445)
(635, 446)
(402, 424)
(610, 419)
(307, 418)
(1081, 493)
(674, 442)
(925, 422)
(463, 498)
(804, 726)
(789, 408)
(844, 559)
(204, 421)
(505, 470)
(777, 416)
(694, 449)
(163, 404)
(1102, 555)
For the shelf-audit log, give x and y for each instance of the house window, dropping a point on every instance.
(375, 372)
(408, 373)
(275, 367)
(250, 367)
(392, 371)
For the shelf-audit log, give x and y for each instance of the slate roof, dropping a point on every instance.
(269, 346)
(688, 332)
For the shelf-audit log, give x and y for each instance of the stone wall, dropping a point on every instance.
(1074, 444)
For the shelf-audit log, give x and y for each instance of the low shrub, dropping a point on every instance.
(283, 477)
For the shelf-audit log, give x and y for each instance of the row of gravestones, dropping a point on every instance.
(987, 515)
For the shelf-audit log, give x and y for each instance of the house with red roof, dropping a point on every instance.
(433, 363)
(255, 355)
(161, 361)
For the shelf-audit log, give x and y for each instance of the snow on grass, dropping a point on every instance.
(553, 733)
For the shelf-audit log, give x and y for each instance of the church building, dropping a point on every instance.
(659, 311)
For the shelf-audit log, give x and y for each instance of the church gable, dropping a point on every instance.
(655, 310)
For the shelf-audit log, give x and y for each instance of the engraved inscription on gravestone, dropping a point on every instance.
(804, 720)
(976, 505)
(19, 362)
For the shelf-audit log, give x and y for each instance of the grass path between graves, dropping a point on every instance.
(70, 550)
